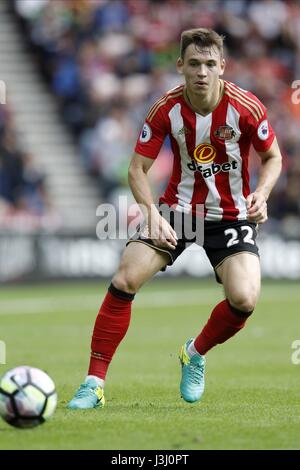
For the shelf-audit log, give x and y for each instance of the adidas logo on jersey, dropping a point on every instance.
(213, 169)
(183, 131)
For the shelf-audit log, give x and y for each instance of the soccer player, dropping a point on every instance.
(211, 124)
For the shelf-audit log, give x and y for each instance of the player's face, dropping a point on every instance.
(201, 69)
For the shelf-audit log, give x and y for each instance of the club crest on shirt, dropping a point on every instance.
(225, 133)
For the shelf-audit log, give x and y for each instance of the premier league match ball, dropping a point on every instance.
(27, 397)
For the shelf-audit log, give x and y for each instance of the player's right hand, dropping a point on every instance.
(161, 233)
(257, 210)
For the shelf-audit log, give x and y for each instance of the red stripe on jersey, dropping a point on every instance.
(222, 178)
(169, 196)
(244, 150)
(244, 145)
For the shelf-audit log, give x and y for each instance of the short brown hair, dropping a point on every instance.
(202, 38)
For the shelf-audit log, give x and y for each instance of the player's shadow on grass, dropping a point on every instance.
(115, 405)
(4, 430)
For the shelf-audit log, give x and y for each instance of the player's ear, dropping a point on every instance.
(222, 67)
(179, 65)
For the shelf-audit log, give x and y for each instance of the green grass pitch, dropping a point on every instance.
(252, 397)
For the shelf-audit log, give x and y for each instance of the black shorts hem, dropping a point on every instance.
(157, 248)
(215, 243)
(234, 254)
(218, 279)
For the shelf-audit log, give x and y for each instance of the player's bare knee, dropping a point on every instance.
(125, 283)
(243, 301)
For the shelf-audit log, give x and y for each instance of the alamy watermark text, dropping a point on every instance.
(2, 352)
(295, 358)
(2, 92)
(126, 220)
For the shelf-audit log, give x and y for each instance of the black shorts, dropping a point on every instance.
(221, 240)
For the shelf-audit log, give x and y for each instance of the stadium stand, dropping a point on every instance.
(106, 62)
(22, 186)
(80, 77)
(41, 133)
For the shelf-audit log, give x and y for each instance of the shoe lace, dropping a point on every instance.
(195, 373)
(83, 390)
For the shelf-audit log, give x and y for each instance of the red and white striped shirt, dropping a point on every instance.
(210, 152)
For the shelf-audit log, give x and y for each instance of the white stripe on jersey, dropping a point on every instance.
(185, 188)
(233, 153)
(213, 199)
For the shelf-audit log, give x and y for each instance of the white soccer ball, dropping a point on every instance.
(27, 397)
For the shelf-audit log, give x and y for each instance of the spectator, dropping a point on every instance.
(98, 54)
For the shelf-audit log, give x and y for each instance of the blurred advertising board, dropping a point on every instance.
(26, 257)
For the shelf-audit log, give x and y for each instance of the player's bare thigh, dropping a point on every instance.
(139, 263)
(241, 278)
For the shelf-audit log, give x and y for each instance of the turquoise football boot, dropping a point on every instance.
(192, 379)
(89, 395)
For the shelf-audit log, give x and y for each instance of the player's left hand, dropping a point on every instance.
(257, 210)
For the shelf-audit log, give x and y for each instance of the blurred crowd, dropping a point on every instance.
(107, 61)
(23, 196)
